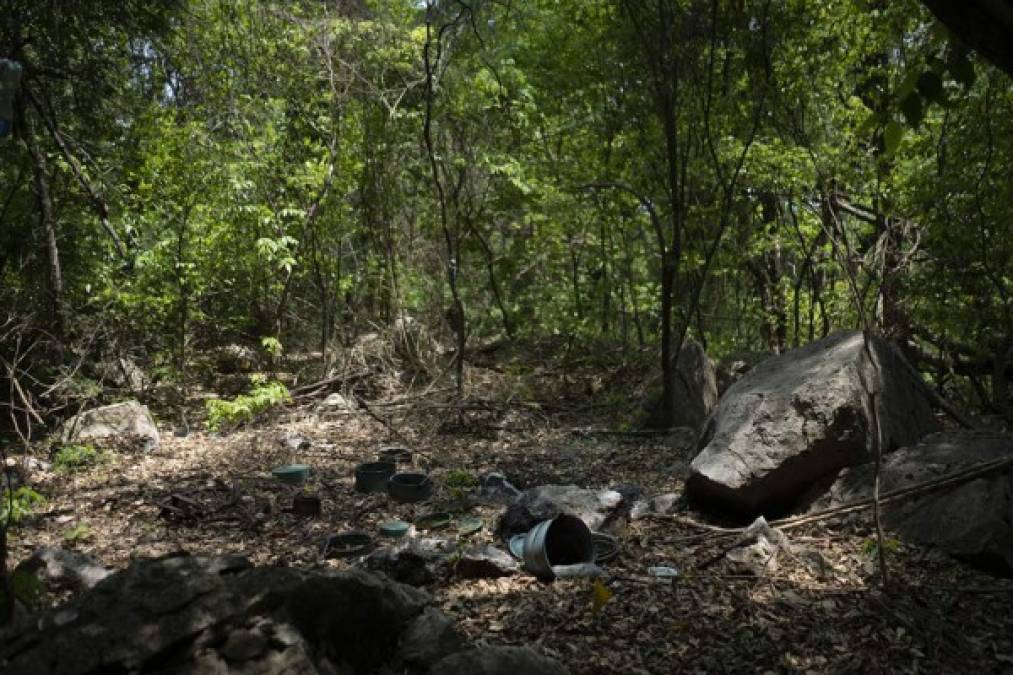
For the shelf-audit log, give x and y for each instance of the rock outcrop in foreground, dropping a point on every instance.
(183, 614)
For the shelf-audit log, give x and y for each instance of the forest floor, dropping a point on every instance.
(937, 615)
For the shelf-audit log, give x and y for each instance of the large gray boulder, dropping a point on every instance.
(970, 520)
(696, 391)
(126, 423)
(797, 419)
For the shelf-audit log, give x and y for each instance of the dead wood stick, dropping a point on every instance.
(585, 431)
(931, 394)
(301, 392)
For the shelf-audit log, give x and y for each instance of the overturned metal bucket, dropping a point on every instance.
(564, 540)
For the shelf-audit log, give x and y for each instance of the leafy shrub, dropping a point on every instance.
(18, 505)
(243, 408)
(72, 458)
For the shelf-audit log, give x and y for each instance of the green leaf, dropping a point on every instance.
(908, 84)
(892, 135)
(911, 108)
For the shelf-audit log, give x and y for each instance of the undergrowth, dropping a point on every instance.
(222, 413)
(19, 505)
(71, 458)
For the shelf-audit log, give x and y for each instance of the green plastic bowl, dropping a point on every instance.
(409, 487)
(394, 529)
(346, 545)
(433, 521)
(469, 525)
(292, 474)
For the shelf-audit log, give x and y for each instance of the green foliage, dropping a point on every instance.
(28, 589)
(461, 479)
(16, 506)
(870, 548)
(458, 482)
(78, 533)
(272, 346)
(244, 408)
(71, 458)
(265, 172)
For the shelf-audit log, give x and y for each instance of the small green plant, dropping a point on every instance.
(272, 346)
(459, 481)
(871, 549)
(79, 532)
(72, 458)
(17, 506)
(223, 413)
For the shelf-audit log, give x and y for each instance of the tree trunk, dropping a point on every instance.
(48, 222)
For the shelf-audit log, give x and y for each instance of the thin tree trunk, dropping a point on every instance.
(48, 222)
(456, 314)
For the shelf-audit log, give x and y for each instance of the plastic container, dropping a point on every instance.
(433, 521)
(373, 476)
(307, 506)
(292, 474)
(347, 545)
(564, 540)
(409, 487)
(394, 529)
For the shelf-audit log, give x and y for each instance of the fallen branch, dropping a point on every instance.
(585, 431)
(310, 390)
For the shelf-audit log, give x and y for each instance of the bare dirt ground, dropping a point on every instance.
(937, 615)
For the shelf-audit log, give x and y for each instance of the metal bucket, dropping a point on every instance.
(564, 540)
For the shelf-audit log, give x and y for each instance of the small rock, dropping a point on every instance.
(294, 442)
(497, 489)
(486, 562)
(760, 548)
(421, 562)
(336, 401)
(61, 567)
(545, 502)
(665, 503)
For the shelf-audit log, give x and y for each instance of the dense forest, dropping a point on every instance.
(467, 220)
